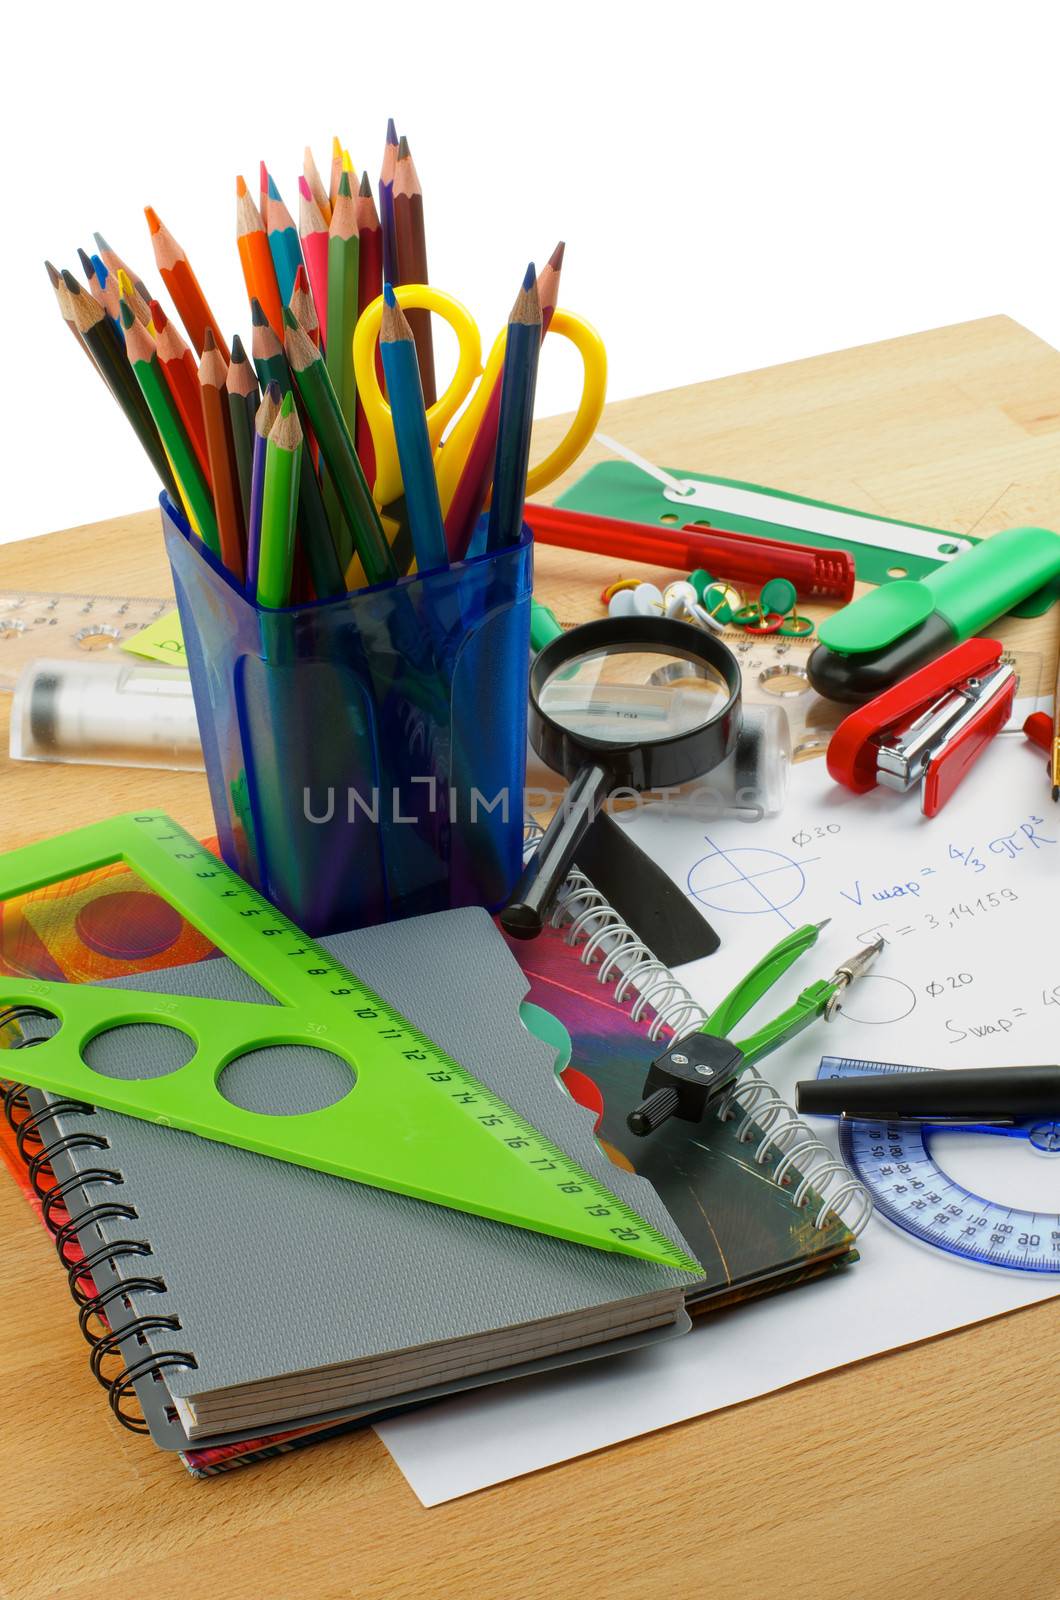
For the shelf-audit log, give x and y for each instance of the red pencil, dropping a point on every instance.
(314, 234)
(182, 376)
(369, 288)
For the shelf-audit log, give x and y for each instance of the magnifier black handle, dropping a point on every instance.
(524, 915)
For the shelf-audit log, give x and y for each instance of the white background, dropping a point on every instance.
(738, 185)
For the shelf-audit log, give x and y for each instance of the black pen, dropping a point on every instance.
(987, 1094)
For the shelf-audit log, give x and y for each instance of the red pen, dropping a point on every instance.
(740, 557)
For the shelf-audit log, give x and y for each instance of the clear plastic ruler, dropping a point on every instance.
(65, 627)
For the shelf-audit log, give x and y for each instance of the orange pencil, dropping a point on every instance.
(182, 376)
(259, 274)
(228, 505)
(183, 285)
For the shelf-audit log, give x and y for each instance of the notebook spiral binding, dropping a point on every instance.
(635, 974)
(30, 1129)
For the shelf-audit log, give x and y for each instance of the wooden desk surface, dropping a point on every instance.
(934, 1470)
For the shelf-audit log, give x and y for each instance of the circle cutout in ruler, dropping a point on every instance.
(903, 1166)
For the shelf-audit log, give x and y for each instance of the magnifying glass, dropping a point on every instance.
(624, 703)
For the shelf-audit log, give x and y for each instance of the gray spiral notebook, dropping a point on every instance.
(295, 1297)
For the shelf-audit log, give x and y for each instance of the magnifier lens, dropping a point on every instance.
(630, 696)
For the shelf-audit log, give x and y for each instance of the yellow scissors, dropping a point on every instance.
(451, 457)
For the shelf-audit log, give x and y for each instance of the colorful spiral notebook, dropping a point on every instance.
(617, 1003)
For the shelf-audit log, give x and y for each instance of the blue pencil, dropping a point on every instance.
(283, 243)
(386, 204)
(521, 352)
(402, 372)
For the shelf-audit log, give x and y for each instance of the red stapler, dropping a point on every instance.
(934, 725)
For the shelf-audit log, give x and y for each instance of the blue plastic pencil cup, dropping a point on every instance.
(365, 755)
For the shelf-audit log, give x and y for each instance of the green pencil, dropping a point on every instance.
(344, 255)
(322, 407)
(269, 359)
(140, 349)
(279, 507)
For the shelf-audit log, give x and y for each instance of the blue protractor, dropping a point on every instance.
(896, 1161)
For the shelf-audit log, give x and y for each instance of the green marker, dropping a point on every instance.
(885, 635)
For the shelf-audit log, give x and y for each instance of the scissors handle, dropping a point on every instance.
(388, 485)
(593, 352)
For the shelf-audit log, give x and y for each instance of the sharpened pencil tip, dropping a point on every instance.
(125, 311)
(241, 186)
(391, 131)
(101, 243)
(238, 352)
(301, 279)
(158, 316)
(304, 190)
(273, 392)
(365, 191)
(555, 260)
(530, 277)
(257, 316)
(389, 297)
(344, 186)
(336, 147)
(288, 404)
(289, 318)
(403, 149)
(153, 219)
(270, 187)
(86, 264)
(53, 273)
(263, 176)
(70, 281)
(208, 341)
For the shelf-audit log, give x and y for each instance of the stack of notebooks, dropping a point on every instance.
(254, 1306)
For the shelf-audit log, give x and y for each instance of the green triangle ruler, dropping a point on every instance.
(413, 1121)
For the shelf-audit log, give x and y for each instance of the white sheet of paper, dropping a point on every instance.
(970, 977)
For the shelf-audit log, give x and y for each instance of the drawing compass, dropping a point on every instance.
(697, 1070)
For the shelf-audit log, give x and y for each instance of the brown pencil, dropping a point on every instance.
(411, 244)
(64, 300)
(224, 473)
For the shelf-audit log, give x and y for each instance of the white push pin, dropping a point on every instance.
(681, 601)
(643, 601)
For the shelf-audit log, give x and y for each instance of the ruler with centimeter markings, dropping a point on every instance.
(414, 1120)
(67, 627)
(896, 1162)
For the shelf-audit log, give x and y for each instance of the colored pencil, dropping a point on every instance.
(114, 264)
(108, 285)
(224, 474)
(283, 242)
(242, 397)
(127, 290)
(314, 232)
(178, 277)
(143, 358)
(259, 274)
(64, 299)
(336, 171)
(369, 288)
(410, 243)
(316, 185)
(107, 348)
(270, 363)
(304, 307)
(472, 486)
(336, 446)
(88, 267)
(283, 461)
(521, 353)
(415, 454)
(343, 275)
(264, 418)
(182, 375)
(386, 203)
(263, 192)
